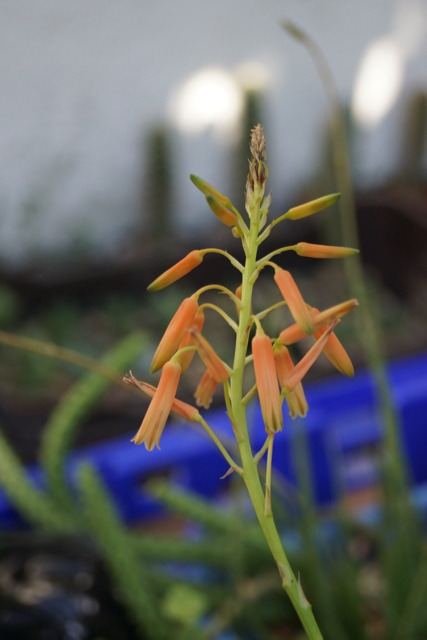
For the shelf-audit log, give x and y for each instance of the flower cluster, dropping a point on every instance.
(277, 377)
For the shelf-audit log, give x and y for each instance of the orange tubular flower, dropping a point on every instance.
(179, 270)
(294, 300)
(267, 383)
(334, 351)
(323, 251)
(154, 421)
(294, 332)
(212, 362)
(175, 333)
(296, 399)
(180, 408)
(205, 390)
(186, 358)
(296, 375)
(222, 213)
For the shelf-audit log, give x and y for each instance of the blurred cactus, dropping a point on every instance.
(157, 201)
(415, 139)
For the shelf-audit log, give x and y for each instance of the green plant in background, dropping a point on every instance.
(158, 197)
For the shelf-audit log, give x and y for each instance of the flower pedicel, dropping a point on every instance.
(271, 359)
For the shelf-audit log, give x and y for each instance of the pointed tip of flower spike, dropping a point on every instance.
(179, 270)
(308, 250)
(309, 208)
(208, 190)
(222, 213)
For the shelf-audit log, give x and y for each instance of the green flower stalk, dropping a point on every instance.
(276, 376)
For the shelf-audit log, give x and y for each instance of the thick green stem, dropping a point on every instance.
(250, 472)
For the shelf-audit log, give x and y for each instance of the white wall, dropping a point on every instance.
(82, 80)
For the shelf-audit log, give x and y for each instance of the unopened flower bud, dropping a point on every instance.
(294, 300)
(222, 213)
(209, 190)
(294, 333)
(175, 332)
(314, 206)
(323, 251)
(180, 269)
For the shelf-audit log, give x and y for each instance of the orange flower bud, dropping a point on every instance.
(175, 332)
(179, 270)
(188, 341)
(154, 421)
(311, 207)
(222, 213)
(296, 375)
(296, 399)
(334, 351)
(294, 332)
(209, 190)
(180, 408)
(205, 391)
(294, 300)
(267, 383)
(323, 251)
(212, 362)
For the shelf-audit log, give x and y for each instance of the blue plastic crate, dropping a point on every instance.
(343, 431)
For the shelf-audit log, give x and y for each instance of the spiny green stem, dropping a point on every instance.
(250, 473)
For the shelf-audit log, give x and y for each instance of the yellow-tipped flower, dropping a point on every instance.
(294, 333)
(180, 408)
(267, 382)
(296, 400)
(222, 213)
(296, 375)
(186, 358)
(294, 300)
(179, 270)
(175, 332)
(154, 421)
(323, 251)
(212, 362)
(209, 190)
(311, 207)
(205, 391)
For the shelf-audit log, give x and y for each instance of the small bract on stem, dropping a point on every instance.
(277, 377)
